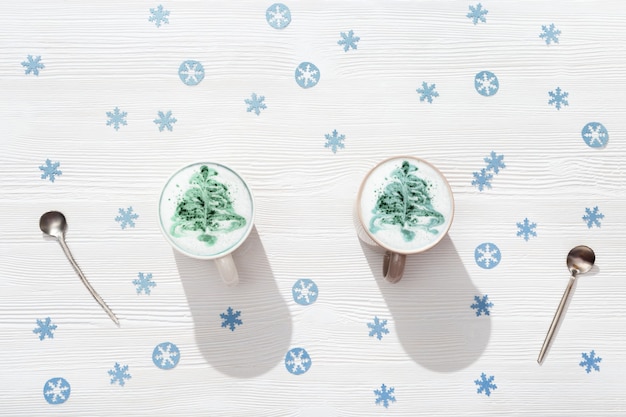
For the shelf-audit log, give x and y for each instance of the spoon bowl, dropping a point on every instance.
(580, 260)
(53, 223)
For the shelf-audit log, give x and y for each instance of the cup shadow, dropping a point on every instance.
(261, 341)
(431, 308)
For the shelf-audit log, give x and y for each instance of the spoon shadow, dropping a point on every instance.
(261, 341)
(431, 308)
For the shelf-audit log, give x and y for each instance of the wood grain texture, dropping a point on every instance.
(103, 55)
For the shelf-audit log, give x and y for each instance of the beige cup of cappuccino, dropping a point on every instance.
(206, 211)
(405, 206)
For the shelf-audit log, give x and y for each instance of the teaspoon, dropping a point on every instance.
(579, 261)
(53, 223)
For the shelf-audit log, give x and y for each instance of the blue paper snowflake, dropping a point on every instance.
(549, 34)
(307, 75)
(126, 217)
(378, 328)
(255, 104)
(486, 83)
(191, 72)
(482, 305)
(595, 135)
(117, 118)
(144, 283)
(495, 162)
(593, 217)
(159, 16)
(304, 291)
(348, 40)
(297, 361)
(231, 319)
(482, 179)
(558, 98)
(385, 395)
(487, 255)
(427, 92)
(477, 13)
(526, 229)
(166, 355)
(56, 390)
(165, 121)
(334, 141)
(485, 384)
(590, 361)
(50, 170)
(278, 16)
(45, 328)
(119, 374)
(33, 65)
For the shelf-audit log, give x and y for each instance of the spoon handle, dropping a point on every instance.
(93, 292)
(556, 319)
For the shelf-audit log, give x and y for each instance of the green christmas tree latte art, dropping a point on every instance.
(206, 207)
(405, 203)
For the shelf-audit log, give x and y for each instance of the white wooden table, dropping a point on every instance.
(65, 65)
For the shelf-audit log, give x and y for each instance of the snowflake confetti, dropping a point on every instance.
(159, 16)
(482, 179)
(144, 283)
(119, 374)
(56, 390)
(166, 355)
(304, 291)
(526, 229)
(33, 65)
(165, 121)
(550, 34)
(50, 170)
(278, 16)
(334, 141)
(117, 118)
(590, 361)
(558, 98)
(477, 13)
(348, 40)
(307, 75)
(486, 83)
(595, 135)
(385, 395)
(482, 305)
(191, 72)
(126, 217)
(487, 255)
(495, 162)
(378, 328)
(255, 104)
(231, 319)
(593, 217)
(297, 361)
(427, 93)
(485, 384)
(45, 328)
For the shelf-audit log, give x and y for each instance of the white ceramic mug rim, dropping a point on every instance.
(443, 234)
(230, 250)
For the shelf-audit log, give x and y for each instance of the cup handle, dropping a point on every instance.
(393, 266)
(227, 269)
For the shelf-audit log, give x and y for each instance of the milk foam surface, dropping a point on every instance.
(406, 208)
(187, 241)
